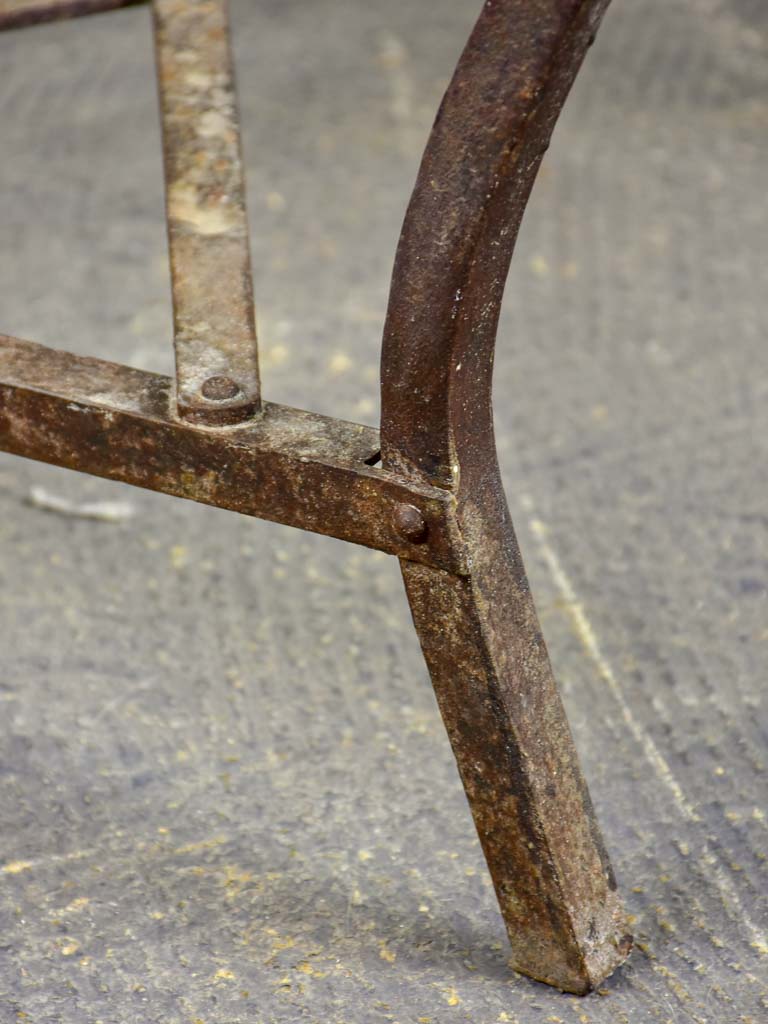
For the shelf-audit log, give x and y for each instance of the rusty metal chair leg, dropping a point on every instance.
(436, 501)
(479, 631)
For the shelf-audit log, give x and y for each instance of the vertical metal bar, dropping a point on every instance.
(217, 373)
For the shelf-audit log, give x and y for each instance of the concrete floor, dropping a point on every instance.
(225, 792)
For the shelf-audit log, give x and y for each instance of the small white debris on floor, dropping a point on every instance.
(108, 511)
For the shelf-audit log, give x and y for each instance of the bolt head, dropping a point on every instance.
(410, 524)
(220, 389)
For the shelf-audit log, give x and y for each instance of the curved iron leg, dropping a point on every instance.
(479, 632)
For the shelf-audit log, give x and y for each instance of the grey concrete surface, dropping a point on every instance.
(225, 792)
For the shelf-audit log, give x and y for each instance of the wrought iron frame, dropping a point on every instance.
(426, 488)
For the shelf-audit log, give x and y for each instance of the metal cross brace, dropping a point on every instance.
(426, 488)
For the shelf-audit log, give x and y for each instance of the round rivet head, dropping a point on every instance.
(410, 524)
(219, 389)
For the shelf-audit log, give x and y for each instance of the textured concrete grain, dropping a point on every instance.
(225, 792)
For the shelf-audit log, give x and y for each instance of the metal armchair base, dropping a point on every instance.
(426, 488)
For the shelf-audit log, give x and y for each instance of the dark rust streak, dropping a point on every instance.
(288, 466)
(214, 321)
(23, 13)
